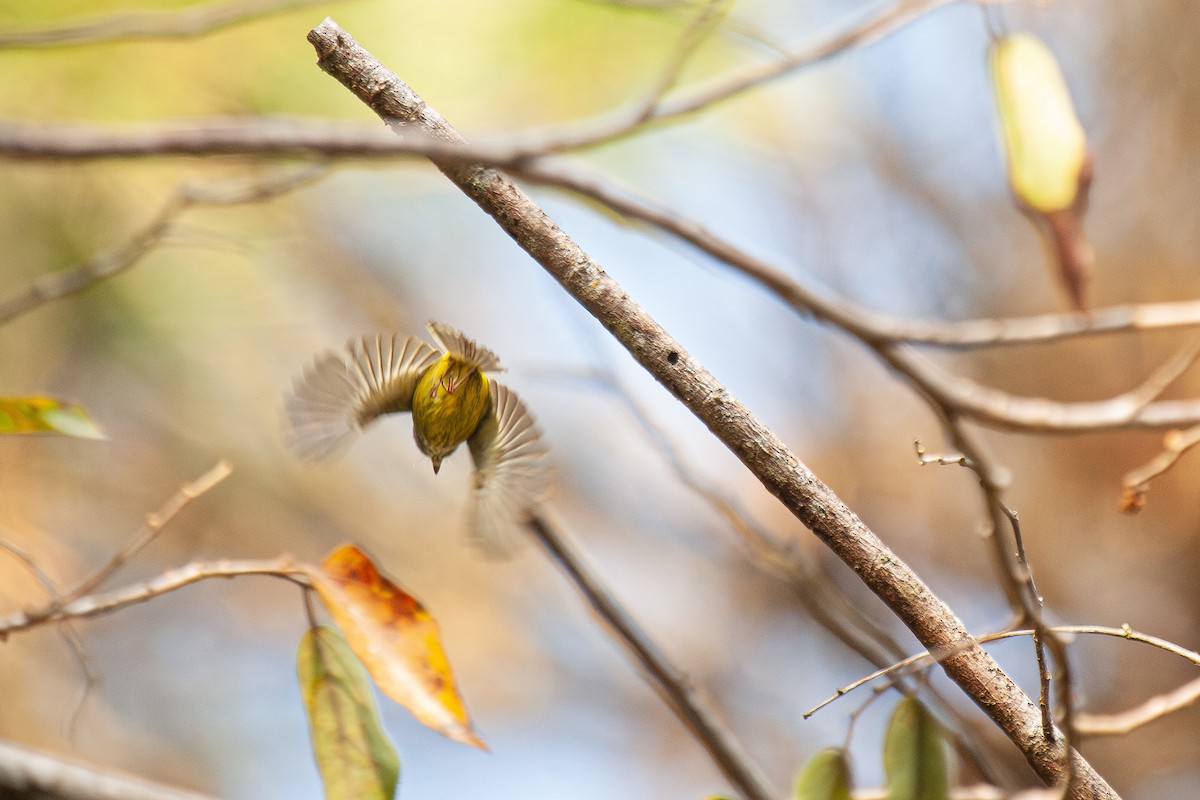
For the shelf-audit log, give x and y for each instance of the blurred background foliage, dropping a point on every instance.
(877, 174)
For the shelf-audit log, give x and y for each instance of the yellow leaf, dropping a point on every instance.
(353, 753)
(1044, 141)
(26, 415)
(396, 639)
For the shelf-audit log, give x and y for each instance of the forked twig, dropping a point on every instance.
(153, 525)
(57, 285)
(917, 659)
(94, 605)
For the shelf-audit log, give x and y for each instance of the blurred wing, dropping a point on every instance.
(510, 472)
(341, 393)
(456, 344)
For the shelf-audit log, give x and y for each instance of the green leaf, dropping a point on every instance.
(914, 755)
(826, 776)
(353, 753)
(32, 415)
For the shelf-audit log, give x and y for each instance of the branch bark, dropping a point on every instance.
(780, 471)
(27, 774)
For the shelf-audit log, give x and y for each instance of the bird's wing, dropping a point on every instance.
(510, 471)
(456, 344)
(341, 392)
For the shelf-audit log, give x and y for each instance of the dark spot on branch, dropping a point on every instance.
(672, 357)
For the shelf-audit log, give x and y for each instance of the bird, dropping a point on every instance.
(452, 400)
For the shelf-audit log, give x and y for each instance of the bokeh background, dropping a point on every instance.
(876, 174)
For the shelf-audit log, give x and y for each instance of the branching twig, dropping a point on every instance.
(780, 471)
(1136, 483)
(180, 22)
(822, 598)
(717, 90)
(154, 523)
(56, 285)
(67, 632)
(694, 35)
(613, 126)
(916, 659)
(97, 604)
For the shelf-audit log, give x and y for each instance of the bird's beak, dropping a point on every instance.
(437, 464)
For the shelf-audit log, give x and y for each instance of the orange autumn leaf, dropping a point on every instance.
(396, 639)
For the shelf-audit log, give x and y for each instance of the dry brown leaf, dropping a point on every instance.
(396, 639)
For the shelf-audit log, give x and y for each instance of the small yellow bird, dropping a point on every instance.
(452, 401)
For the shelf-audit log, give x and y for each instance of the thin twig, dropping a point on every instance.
(607, 128)
(57, 285)
(621, 123)
(1017, 580)
(694, 35)
(1158, 381)
(153, 524)
(767, 457)
(1136, 483)
(94, 605)
(190, 21)
(916, 659)
(671, 684)
(1154, 708)
(67, 632)
(967, 397)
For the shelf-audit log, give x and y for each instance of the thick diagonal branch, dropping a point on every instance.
(780, 471)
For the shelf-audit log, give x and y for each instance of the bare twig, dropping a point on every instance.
(872, 28)
(572, 137)
(915, 660)
(966, 397)
(56, 285)
(780, 471)
(1152, 709)
(672, 685)
(821, 597)
(97, 604)
(153, 524)
(1158, 381)
(67, 632)
(1016, 579)
(190, 21)
(36, 775)
(1136, 483)
(694, 35)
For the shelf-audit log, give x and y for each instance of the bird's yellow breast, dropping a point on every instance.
(448, 404)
